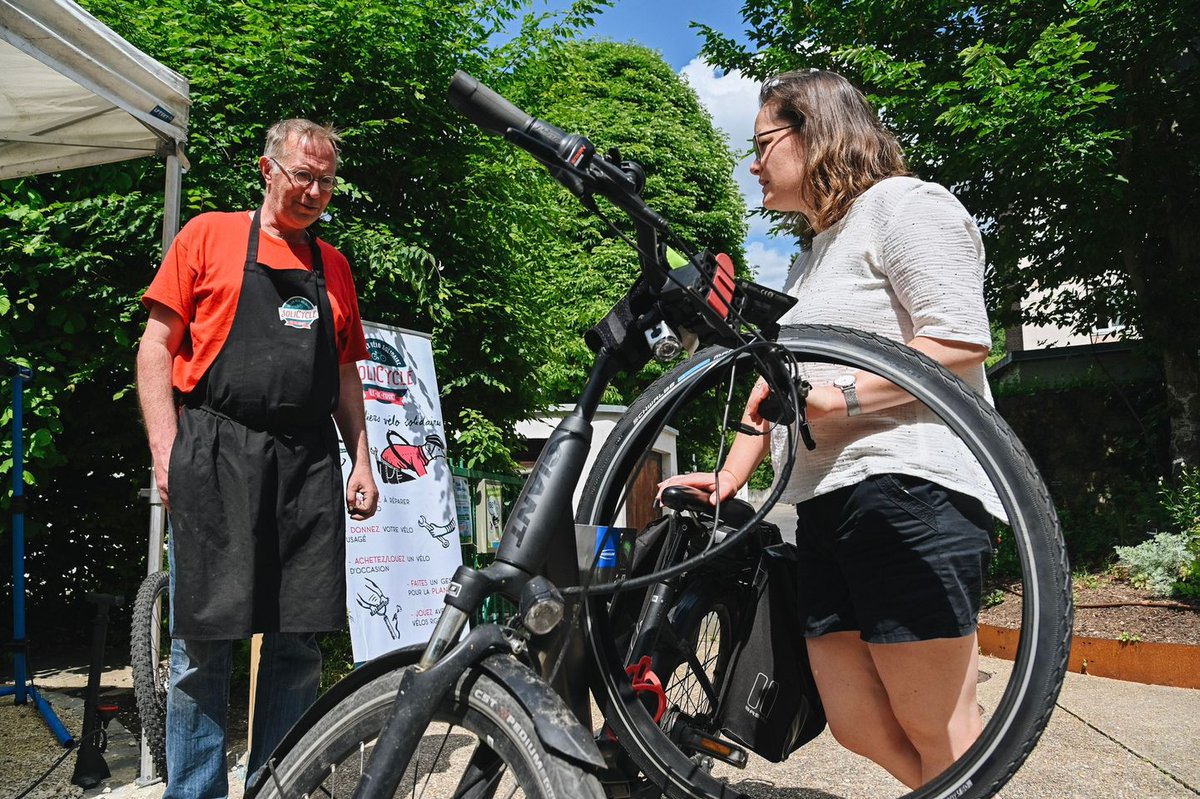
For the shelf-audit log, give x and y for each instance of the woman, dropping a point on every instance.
(893, 544)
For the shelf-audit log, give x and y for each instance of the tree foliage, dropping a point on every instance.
(1070, 130)
(626, 97)
(448, 230)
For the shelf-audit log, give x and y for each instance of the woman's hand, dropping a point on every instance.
(722, 483)
(822, 401)
(757, 394)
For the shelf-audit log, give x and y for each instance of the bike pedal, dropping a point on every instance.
(712, 746)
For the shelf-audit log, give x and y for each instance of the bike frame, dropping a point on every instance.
(539, 534)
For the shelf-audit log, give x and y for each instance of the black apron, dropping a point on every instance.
(257, 510)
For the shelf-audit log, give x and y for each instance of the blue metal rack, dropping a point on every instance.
(23, 689)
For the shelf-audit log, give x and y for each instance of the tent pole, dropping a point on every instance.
(172, 189)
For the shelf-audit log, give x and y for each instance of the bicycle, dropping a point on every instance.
(491, 689)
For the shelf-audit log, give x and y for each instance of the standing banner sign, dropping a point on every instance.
(399, 562)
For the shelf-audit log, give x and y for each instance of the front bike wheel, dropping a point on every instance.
(683, 395)
(481, 743)
(150, 658)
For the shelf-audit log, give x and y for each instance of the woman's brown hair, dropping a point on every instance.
(847, 150)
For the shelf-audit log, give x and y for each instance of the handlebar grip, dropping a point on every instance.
(484, 107)
(776, 409)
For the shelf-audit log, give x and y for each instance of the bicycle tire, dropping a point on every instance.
(150, 672)
(327, 760)
(1040, 662)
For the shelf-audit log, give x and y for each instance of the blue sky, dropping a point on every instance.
(731, 99)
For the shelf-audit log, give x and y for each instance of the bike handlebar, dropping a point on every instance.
(568, 155)
(484, 107)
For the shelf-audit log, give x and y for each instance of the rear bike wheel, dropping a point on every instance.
(702, 385)
(692, 654)
(150, 657)
(481, 743)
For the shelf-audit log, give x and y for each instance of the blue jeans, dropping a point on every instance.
(289, 674)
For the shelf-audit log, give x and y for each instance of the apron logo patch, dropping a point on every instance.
(298, 312)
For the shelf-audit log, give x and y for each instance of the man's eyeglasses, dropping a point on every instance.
(306, 178)
(758, 146)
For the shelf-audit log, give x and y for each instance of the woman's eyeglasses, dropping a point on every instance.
(306, 178)
(758, 145)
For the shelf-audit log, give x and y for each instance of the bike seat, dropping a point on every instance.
(734, 512)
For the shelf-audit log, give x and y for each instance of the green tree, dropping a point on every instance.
(425, 225)
(623, 96)
(1071, 130)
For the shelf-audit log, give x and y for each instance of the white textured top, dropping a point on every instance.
(906, 260)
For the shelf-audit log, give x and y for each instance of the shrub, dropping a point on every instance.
(1158, 564)
(1182, 504)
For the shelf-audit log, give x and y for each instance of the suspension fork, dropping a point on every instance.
(420, 693)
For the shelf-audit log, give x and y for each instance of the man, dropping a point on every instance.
(246, 363)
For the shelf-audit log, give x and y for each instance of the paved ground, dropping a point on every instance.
(1107, 739)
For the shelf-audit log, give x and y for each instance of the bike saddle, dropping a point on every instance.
(734, 512)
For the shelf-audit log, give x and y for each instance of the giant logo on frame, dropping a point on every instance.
(386, 377)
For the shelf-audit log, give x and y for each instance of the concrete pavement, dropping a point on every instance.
(1106, 739)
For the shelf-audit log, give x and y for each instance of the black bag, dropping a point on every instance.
(769, 701)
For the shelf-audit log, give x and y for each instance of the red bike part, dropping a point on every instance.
(722, 289)
(645, 681)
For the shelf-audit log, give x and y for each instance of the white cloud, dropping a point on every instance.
(732, 101)
(770, 263)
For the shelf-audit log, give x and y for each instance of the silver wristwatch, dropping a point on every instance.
(846, 383)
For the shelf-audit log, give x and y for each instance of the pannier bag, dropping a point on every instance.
(769, 700)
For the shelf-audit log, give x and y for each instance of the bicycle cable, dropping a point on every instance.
(605, 589)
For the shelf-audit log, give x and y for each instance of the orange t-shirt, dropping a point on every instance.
(201, 280)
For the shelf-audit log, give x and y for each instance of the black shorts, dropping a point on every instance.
(895, 557)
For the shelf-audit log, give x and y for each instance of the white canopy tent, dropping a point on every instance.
(75, 94)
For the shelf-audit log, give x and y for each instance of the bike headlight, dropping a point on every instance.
(542, 605)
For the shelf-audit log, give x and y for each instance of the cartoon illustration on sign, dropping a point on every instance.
(439, 531)
(377, 603)
(402, 462)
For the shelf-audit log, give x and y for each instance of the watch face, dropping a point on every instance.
(844, 381)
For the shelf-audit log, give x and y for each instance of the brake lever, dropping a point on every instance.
(574, 180)
(776, 410)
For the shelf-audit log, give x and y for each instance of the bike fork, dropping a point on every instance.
(421, 692)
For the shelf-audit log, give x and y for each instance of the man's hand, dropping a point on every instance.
(160, 479)
(362, 497)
